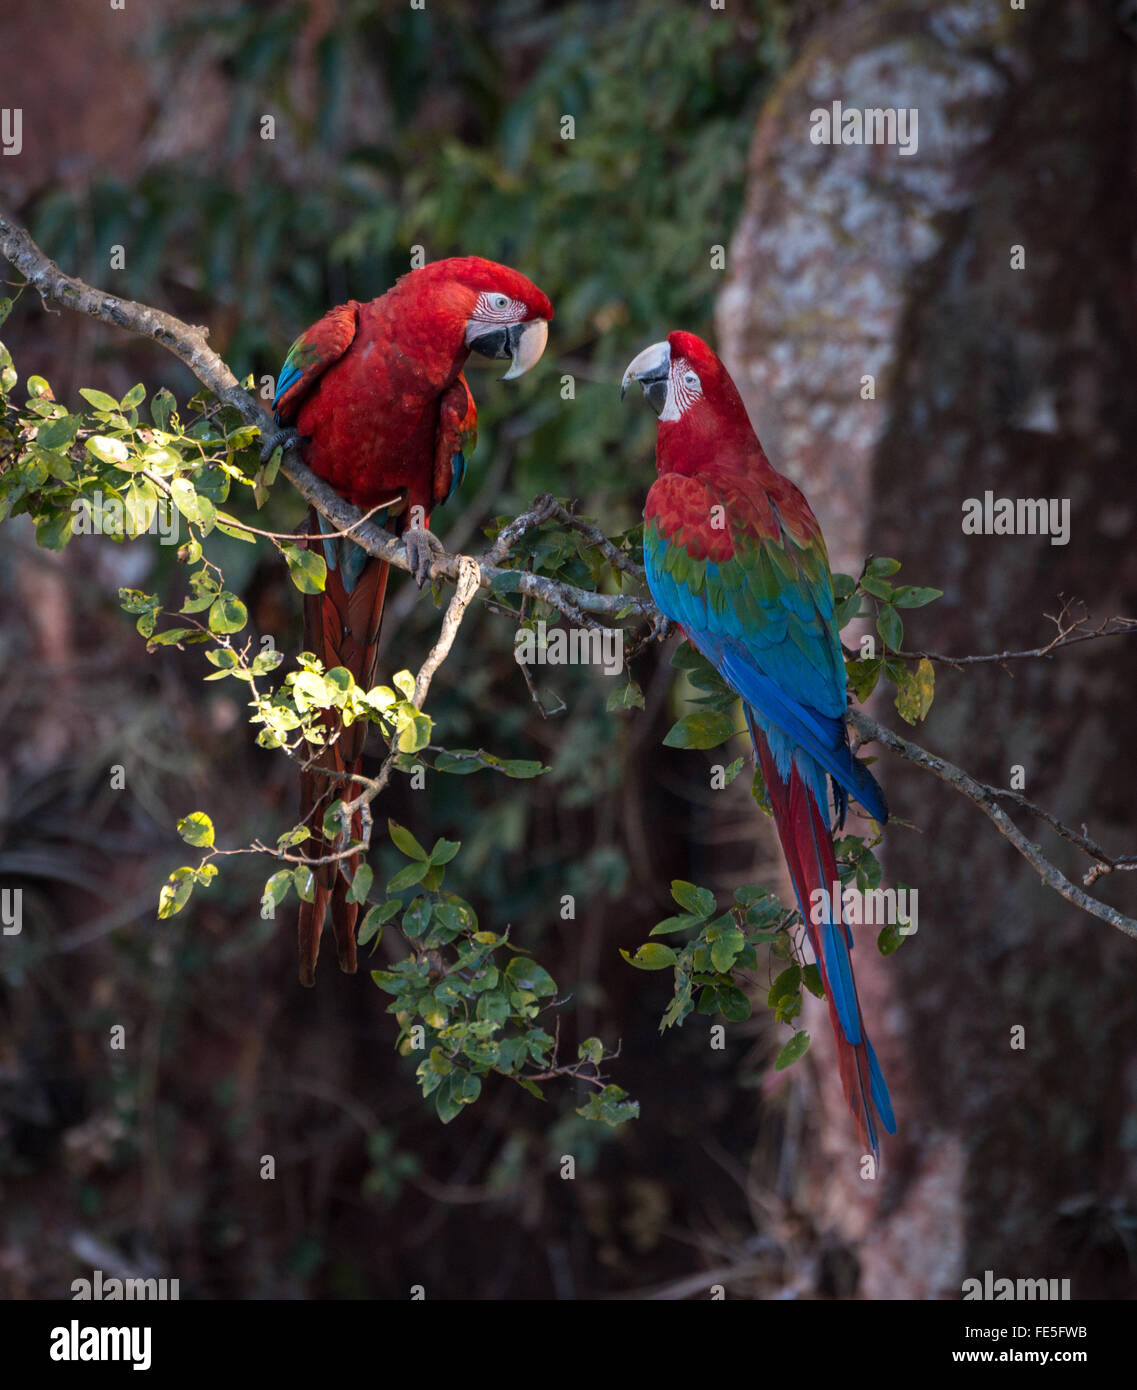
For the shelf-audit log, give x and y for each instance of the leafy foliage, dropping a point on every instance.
(468, 998)
(714, 972)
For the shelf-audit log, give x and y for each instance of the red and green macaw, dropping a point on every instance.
(735, 556)
(376, 395)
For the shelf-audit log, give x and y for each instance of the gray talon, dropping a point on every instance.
(282, 438)
(423, 549)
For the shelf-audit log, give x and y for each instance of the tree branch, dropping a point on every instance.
(1072, 628)
(987, 799)
(189, 345)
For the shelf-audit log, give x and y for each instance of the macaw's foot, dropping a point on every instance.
(424, 549)
(283, 438)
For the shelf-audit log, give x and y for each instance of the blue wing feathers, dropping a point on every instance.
(800, 709)
(288, 377)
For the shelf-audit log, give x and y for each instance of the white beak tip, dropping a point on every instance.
(534, 336)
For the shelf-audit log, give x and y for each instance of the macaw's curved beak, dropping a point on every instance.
(523, 343)
(652, 369)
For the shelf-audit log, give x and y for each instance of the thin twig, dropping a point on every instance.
(987, 802)
(1070, 632)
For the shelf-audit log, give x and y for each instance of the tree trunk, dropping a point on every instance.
(859, 261)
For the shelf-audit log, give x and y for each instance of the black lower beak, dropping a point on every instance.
(655, 387)
(498, 342)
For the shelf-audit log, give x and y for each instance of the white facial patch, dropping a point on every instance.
(493, 307)
(683, 389)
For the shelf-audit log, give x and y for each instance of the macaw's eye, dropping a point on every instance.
(499, 301)
(690, 379)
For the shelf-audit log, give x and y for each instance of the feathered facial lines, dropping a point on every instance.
(502, 326)
(492, 307)
(684, 388)
(670, 382)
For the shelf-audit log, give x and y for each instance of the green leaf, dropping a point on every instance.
(458, 1089)
(373, 924)
(760, 792)
(135, 601)
(651, 956)
(205, 514)
(733, 1004)
(185, 498)
(889, 939)
(113, 451)
(196, 829)
(848, 609)
(881, 567)
(417, 917)
(175, 892)
(521, 768)
(307, 568)
(99, 399)
(879, 588)
(591, 1050)
(915, 695)
(610, 1106)
(672, 924)
(444, 1102)
(456, 916)
(411, 874)
(305, 883)
(162, 405)
(863, 676)
(332, 823)
(507, 582)
(908, 596)
(705, 729)
(309, 689)
(725, 950)
(140, 504)
(787, 983)
(890, 625)
(53, 532)
(405, 842)
(698, 901)
(731, 771)
(266, 661)
(135, 396)
(444, 851)
(277, 886)
(360, 885)
(227, 614)
(415, 734)
(58, 435)
(811, 979)
(525, 973)
(796, 1048)
(628, 696)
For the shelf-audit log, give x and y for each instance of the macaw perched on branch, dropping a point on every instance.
(735, 556)
(376, 395)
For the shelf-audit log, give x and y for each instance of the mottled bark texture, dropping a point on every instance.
(856, 260)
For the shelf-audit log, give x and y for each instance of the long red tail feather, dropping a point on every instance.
(807, 843)
(341, 627)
